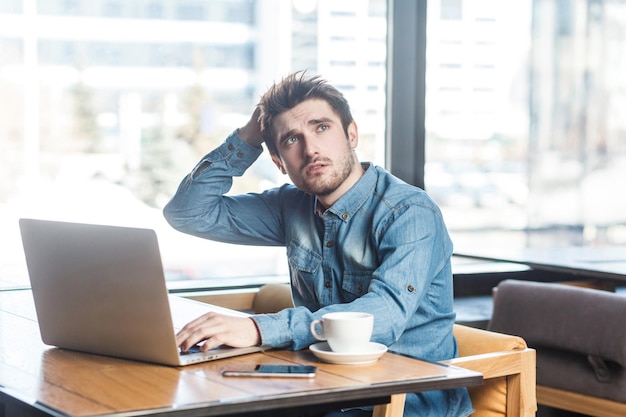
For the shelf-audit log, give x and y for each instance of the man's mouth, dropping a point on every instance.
(315, 168)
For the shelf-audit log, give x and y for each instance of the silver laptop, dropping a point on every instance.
(101, 289)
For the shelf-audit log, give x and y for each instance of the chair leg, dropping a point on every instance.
(527, 380)
(395, 408)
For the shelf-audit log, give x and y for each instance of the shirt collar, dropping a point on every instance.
(354, 198)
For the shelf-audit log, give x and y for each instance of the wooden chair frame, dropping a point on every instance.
(518, 366)
(579, 403)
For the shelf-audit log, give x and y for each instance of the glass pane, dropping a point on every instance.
(108, 104)
(525, 145)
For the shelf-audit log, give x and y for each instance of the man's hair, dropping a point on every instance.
(293, 90)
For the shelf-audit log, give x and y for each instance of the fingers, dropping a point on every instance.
(216, 329)
(251, 131)
(196, 331)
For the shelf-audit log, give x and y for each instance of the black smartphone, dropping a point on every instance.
(284, 371)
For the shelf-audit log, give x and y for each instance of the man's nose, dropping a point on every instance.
(311, 147)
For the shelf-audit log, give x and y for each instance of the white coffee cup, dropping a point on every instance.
(345, 331)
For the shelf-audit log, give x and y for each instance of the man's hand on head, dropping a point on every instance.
(251, 131)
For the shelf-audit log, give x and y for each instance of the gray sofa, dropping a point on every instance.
(579, 334)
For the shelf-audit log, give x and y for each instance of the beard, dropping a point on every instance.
(326, 183)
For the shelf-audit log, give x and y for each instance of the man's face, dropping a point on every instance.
(314, 151)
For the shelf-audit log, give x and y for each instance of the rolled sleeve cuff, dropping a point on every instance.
(274, 330)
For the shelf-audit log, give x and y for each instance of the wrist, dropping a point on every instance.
(259, 339)
(250, 135)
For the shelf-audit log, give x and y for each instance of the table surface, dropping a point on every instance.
(58, 382)
(604, 262)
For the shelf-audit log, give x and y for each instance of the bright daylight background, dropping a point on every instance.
(107, 104)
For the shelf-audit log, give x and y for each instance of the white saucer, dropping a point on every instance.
(370, 355)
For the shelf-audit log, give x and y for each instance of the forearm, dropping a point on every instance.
(199, 200)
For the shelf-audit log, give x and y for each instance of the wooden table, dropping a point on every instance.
(39, 380)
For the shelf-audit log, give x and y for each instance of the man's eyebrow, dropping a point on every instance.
(318, 121)
(311, 122)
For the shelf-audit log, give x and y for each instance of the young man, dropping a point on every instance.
(357, 238)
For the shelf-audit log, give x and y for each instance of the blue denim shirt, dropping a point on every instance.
(382, 248)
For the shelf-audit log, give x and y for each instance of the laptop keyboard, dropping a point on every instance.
(193, 349)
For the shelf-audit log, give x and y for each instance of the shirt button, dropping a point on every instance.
(410, 288)
(345, 216)
(240, 154)
(327, 284)
(330, 244)
(231, 147)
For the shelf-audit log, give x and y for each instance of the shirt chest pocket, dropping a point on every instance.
(303, 259)
(304, 265)
(356, 283)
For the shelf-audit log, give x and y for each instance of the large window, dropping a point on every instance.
(525, 143)
(106, 105)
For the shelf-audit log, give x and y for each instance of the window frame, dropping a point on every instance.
(406, 90)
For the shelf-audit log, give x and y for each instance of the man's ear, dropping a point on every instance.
(353, 135)
(278, 163)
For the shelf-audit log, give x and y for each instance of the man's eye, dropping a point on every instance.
(291, 140)
(322, 128)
